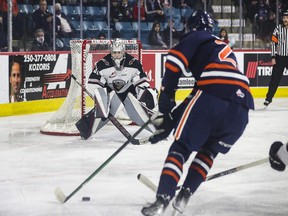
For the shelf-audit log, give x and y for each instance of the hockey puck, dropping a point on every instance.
(85, 198)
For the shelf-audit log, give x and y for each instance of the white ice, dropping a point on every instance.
(32, 165)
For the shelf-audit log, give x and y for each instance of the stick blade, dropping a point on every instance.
(144, 141)
(60, 195)
(147, 182)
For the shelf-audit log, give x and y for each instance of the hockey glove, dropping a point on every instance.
(164, 125)
(166, 102)
(274, 160)
(149, 97)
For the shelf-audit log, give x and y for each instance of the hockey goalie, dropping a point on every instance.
(116, 82)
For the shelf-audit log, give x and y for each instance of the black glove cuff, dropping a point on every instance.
(166, 102)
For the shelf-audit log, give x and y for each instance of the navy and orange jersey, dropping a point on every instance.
(213, 65)
(279, 41)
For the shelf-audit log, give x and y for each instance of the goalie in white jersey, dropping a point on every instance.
(118, 79)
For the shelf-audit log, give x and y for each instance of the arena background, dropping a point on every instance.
(45, 78)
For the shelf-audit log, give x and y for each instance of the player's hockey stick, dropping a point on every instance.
(114, 121)
(62, 198)
(237, 169)
(148, 183)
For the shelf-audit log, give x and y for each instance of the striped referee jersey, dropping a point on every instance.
(279, 41)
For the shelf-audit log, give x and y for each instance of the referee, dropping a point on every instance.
(279, 56)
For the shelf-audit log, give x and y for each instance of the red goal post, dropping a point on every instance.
(84, 54)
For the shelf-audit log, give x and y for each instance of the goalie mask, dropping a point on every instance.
(117, 53)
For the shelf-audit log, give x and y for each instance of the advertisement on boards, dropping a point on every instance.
(38, 76)
(258, 68)
(45, 76)
(4, 80)
(149, 67)
(186, 80)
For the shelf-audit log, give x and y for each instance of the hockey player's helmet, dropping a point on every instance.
(117, 52)
(200, 20)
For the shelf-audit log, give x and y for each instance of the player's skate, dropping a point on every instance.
(181, 200)
(158, 207)
(266, 103)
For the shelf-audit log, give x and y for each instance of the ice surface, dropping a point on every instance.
(32, 165)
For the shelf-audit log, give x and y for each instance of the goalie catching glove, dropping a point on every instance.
(148, 96)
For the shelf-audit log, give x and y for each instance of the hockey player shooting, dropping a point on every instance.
(118, 79)
(209, 121)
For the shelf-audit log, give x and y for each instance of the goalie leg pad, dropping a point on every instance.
(136, 112)
(115, 106)
(90, 123)
(115, 103)
(102, 102)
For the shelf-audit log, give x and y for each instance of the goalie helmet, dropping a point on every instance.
(117, 52)
(200, 20)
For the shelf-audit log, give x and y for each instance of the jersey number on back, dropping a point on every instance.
(225, 52)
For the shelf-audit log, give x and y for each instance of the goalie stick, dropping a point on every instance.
(62, 198)
(148, 183)
(115, 122)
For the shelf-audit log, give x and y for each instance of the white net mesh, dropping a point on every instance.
(84, 54)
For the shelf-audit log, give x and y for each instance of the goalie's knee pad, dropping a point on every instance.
(150, 97)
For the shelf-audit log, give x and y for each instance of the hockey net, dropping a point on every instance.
(84, 54)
